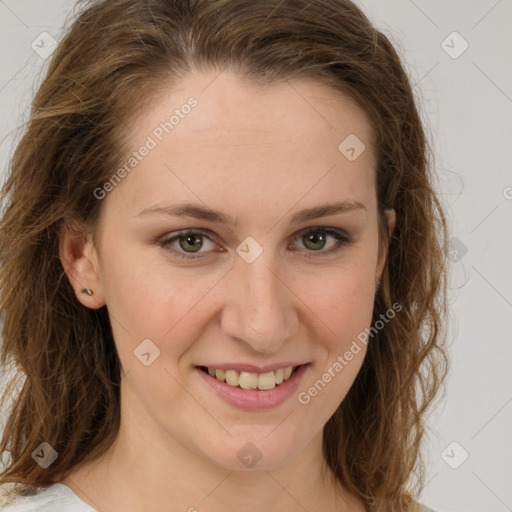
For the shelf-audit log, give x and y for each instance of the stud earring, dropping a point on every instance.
(87, 291)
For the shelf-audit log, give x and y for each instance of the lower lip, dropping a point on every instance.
(250, 399)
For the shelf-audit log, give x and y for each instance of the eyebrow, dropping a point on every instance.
(207, 214)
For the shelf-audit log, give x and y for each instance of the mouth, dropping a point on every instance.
(252, 380)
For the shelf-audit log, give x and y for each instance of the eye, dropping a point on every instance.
(188, 240)
(315, 240)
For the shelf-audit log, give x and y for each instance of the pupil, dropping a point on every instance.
(191, 237)
(315, 237)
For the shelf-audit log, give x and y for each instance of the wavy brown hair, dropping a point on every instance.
(116, 57)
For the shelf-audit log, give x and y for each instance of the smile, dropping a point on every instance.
(250, 380)
(253, 390)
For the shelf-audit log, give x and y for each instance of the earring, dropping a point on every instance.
(87, 291)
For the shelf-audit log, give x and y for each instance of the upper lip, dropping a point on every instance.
(242, 367)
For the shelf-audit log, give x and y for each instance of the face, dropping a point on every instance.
(271, 280)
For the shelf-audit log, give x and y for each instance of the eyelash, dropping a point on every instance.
(342, 241)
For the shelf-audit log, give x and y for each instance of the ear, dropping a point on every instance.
(79, 258)
(391, 221)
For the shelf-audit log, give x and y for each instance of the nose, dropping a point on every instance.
(260, 307)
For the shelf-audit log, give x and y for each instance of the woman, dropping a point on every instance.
(223, 266)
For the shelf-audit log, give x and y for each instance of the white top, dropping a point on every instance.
(54, 498)
(60, 498)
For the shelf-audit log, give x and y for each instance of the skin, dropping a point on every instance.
(260, 157)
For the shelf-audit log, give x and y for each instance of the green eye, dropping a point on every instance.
(190, 242)
(316, 238)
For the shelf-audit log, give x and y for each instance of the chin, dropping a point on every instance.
(260, 452)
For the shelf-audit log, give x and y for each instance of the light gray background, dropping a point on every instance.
(467, 105)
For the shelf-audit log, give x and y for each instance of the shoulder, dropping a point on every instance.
(54, 498)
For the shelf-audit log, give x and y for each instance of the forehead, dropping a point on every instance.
(249, 144)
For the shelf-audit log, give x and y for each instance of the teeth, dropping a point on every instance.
(248, 380)
(232, 377)
(266, 380)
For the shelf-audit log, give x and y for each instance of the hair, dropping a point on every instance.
(115, 58)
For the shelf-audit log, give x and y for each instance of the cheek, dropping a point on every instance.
(152, 300)
(341, 300)
(342, 312)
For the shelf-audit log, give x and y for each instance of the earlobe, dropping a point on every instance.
(79, 259)
(391, 216)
